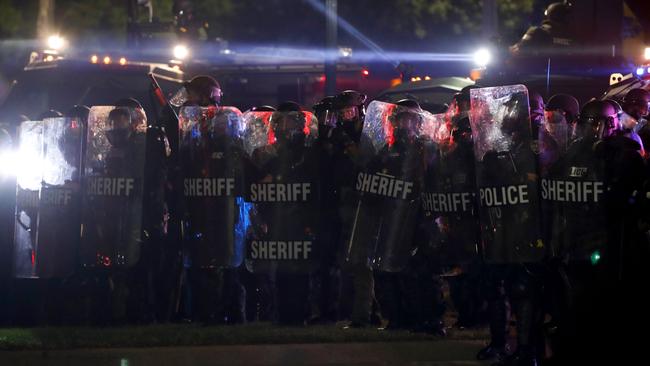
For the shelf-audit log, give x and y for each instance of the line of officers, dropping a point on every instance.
(346, 213)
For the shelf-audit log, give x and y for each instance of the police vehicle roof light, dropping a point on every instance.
(482, 57)
(181, 52)
(640, 71)
(365, 72)
(55, 42)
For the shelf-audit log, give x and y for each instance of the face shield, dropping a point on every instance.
(596, 126)
(288, 128)
(119, 127)
(180, 98)
(406, 127)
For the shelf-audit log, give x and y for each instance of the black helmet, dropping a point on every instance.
(349, 98)
(566, 103)
(409, 103)
(616, 105)
(289, 106)
(128, 103)
(325, 103)
(263, 108)
(637, 95)
(205, 86)
(324, 111)
(558, 12)
(79, 111)
(600, 116)
(52, 113)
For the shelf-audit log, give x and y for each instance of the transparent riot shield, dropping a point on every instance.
(506, 175)
(449, 208)
(388, 187)
(283, 183)
(60, 204)
(29, 171)
(575, 190)
(113, 184)
(212, 160)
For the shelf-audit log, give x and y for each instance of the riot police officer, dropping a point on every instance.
(600, 249)
(510, 223)
(284, 186)
(553, 35)
(634, 118)
(341, 118)
(123, 211)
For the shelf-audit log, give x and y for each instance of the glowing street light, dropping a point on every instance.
(181, 52)
(56, 42)
(482, 57)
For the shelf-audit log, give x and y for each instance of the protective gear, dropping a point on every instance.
(212, 163)
(598, 119)
(201, 91)
(28, 184)
(636, 103)
(113, 197)
(506, 172)
(284, 187)
(386, 210)
(60, 206)
(350, 112)
(565, 103)
(558, 12)
(448, 203)
(553, 38)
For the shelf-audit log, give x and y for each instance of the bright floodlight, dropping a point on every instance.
(646, 53)
(181, 52)
(55, 42)
(482, 57)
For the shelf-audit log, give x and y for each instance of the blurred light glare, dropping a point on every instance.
(646, 53)
(181, 52)
(482, 57)
(107, 60)
(640, 71)
(94, 59)
(122, 61)
(55, 42)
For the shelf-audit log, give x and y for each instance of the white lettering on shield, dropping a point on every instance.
(280, 250)
(56, 197)
(101, 186)
(209, 187)
(447, 202)
(384, 185)
(504, 196)
(279, 192)
(572, 191)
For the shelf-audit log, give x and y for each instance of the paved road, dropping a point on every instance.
(434, 353)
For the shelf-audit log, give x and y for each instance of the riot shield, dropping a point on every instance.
(388, 187)
(212, 160)
(113, 184)
(575, 190)
(60, 204)
(450, 213)
(506, 175)
(283, 183)
(28, 183)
